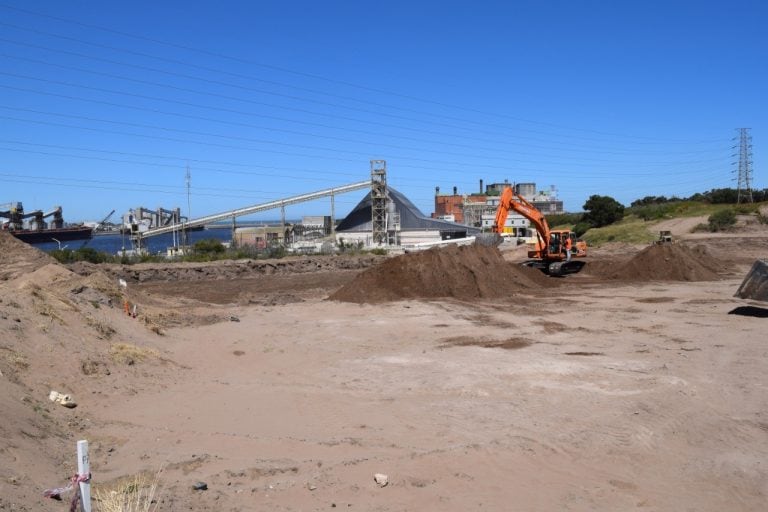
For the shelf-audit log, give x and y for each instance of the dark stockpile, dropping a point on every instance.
(669, 262)
(461, 272)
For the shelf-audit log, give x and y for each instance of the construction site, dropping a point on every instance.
(452, 378)
(383, 256)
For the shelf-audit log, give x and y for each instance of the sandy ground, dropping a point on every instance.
(586, 394)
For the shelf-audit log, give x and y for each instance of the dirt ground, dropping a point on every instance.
(639, 383)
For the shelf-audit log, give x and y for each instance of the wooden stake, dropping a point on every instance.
(84, 468)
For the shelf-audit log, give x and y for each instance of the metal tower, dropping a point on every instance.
(379, 201)
(744, 189)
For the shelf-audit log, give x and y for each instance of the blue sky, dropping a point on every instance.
(103, 105)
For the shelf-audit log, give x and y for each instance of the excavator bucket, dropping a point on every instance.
(488, 239)
(755, 285)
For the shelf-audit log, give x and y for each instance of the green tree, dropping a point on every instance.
(602, 211)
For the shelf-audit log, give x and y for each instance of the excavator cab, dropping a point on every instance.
(556, 241)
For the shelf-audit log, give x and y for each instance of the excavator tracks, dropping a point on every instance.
(557, 268)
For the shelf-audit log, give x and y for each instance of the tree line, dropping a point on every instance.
(714, 196)
(602, 211)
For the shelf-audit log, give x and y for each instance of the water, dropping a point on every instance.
(113, 244)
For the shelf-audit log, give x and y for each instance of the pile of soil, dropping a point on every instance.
(670, 262)
(18, 258)
(461, 272)
(226, 269)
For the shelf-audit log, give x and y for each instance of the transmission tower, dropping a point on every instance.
(744, 188)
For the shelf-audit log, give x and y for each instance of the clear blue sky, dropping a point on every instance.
(104, 104)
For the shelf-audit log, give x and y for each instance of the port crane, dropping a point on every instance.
(104, 220)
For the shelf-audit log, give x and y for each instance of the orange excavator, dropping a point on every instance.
(549, 253)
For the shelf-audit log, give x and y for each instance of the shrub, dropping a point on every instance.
(652, 211)
(81, 254)
(581, 228)
(209, 245)
(699, 228)
(137, 494)
(722, 220)
(563, 219)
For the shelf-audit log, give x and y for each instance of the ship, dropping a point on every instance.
(32, 228)
(39, 236)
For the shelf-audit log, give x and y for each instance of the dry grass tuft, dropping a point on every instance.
(132, 494)
(104, 330)
(125, 353)
(16, 359)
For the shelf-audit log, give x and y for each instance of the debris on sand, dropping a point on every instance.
(381, 479)
(62, 399)
(461, 272)
(669, 262)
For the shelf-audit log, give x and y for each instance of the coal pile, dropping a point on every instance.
(670, 262)
(460, 272)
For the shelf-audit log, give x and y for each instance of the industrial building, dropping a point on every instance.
(404, 223)
(479, 209)
(260, 237)
(384, 217)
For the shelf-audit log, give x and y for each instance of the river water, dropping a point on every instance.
(113, 244)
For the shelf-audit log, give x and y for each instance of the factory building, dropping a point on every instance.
(478, 210)
(261, 237)
(405, 223)
(451, 207)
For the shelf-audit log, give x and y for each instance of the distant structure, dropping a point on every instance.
(744, 188)
(143, 219)
(479, 209)
(379, 201)
(404, 224)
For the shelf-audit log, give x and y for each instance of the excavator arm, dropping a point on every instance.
(511, 201)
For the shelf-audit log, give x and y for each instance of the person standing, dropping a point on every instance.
(568, 246)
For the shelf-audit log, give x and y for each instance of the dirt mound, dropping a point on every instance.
(461, 272)
(670, 262)
(17, 257)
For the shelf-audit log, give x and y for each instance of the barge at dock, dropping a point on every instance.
(32, 228)
(38, 236)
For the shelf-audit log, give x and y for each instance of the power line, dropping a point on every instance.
(126, 186)
(314, 172)
(171, 157)
(239, 112)
(267, 141)
(171, 166)
(462, 108)
(294, 132)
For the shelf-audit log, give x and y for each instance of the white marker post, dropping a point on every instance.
(84, 469)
